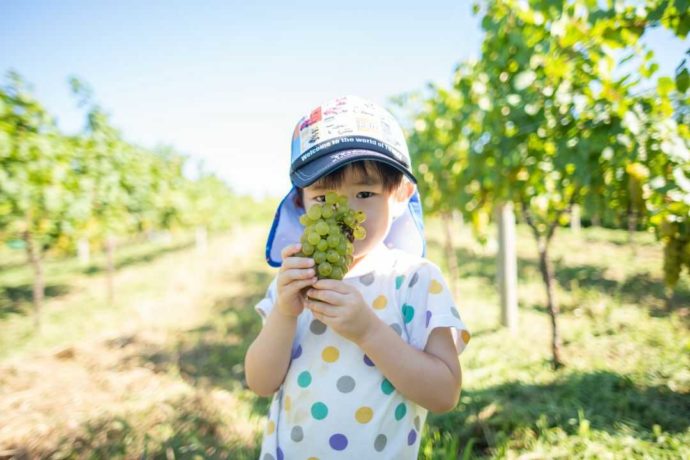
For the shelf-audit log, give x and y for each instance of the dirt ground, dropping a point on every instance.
(132, 378)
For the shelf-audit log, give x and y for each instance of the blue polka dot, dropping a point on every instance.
(297, 352)
(280, 454)
(338, 441)
(411, 437)
(368, 361)
(428, 317)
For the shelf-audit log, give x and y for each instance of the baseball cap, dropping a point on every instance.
(336, 133)
(342, 131)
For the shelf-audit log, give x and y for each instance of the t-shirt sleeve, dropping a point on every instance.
(265, 305)
(429, 304)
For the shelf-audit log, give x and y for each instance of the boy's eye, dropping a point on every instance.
(365, 194)
(320, 198)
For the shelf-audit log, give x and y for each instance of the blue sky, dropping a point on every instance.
(226, 81)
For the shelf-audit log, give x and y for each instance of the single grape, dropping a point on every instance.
(333, 240)
(314, 212)
(321, 227)
(304, 219)
(325, 269)
(327, 212)
(319, 257)
(307, 249)
(314, 238)
(337, 273)
(322, 246)
(331, 197)
(359, 233)
(360, 217)
(332, 256)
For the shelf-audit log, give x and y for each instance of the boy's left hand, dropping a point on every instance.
(342, 307)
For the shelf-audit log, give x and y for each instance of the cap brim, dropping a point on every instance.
(315, 169)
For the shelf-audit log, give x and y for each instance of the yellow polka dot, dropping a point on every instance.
(380, 302)
(435, 287)
(270, 428)
(288, 403)
(330, 354)
(364, 414)
(313, 458)
(465, 336)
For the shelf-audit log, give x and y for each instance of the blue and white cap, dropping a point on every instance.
(339, 132)
(342, 131)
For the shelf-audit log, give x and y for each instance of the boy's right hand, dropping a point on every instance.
(295, 274)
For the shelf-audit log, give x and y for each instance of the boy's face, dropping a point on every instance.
(364, 193)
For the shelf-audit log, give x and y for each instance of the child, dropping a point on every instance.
(354, 364)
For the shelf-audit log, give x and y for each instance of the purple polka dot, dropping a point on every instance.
(411, 437)
(428, 317)
(280, 454)
(338, 441)
(367, 361)
(297, 352)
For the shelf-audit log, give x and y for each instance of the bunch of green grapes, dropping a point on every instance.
(330, 230)
(676, 238)
(676, 255)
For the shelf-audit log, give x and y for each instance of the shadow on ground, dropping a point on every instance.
(213, 353)
(141, 258)
(188, 427)
(18, 300)
(609, 401)
(640, 288)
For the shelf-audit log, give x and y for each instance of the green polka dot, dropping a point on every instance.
(387, 387)
(400, 411)
(408, 313)
(319, 411)
(399, 281)
(304, 379)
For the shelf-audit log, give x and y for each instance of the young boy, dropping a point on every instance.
(354, 365)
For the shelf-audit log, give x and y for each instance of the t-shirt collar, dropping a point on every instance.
(377, 257)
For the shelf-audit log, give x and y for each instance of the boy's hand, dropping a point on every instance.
(342, 307)
(296, 273)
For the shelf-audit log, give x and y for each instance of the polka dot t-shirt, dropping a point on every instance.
(334, 402)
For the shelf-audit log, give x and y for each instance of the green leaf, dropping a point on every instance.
(682, 80)
(665, 85)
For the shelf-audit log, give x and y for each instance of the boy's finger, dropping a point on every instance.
(327, 296)
(298, 285)
(322, 308)
(297, 262)
(294, 274)
(333, 285)
(290, 250)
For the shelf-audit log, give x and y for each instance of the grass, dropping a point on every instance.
(74, 291)
(161, 376)
(625, 392)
